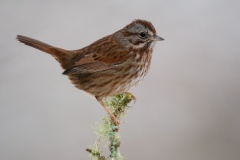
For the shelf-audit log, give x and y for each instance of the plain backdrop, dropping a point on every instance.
(188, 106)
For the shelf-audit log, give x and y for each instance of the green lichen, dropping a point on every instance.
(107, 131)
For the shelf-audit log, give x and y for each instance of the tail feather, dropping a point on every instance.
(62, 56)
(35, 43)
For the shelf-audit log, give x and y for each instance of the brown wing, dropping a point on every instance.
(87, 65)
(102, 55)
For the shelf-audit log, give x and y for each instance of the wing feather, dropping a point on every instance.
(95, 59)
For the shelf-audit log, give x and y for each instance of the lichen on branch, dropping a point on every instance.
(107, 131)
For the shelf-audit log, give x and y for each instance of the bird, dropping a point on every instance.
(109, 66)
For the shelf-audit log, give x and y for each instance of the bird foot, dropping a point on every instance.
(113, 118)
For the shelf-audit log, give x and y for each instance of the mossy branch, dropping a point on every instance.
(107, 131)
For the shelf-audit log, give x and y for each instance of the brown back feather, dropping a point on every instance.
(101, 55)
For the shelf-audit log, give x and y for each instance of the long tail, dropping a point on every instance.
(62, 56)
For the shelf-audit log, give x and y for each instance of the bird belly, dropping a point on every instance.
(113, 81)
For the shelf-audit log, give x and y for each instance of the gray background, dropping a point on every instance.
(188, 106)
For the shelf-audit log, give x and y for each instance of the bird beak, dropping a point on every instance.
(157, 38)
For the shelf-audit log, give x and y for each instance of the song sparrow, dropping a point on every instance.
(109, 66)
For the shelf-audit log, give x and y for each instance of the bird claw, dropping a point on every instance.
(115, 120)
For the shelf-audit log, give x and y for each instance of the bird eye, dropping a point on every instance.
(142, 34)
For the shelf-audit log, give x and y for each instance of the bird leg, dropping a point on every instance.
(113, 118)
